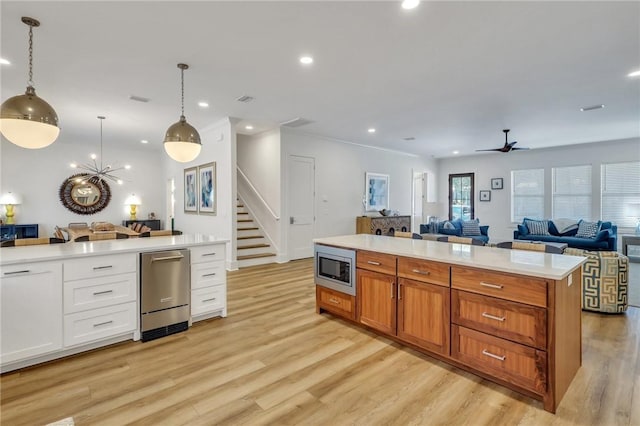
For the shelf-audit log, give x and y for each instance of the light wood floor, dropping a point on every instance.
(275, 361)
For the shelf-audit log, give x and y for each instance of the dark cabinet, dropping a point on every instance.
(11, 232)
(154, 224)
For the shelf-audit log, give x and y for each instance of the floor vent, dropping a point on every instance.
(157, 333)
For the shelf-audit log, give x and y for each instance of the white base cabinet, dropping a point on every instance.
(31, 310)
(208, 282)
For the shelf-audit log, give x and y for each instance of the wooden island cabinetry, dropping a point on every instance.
(519, 326)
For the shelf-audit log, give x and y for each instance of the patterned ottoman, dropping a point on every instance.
(605, 280)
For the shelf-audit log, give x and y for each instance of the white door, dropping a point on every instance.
(418, 200)
(301, 193)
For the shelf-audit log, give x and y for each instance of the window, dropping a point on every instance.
(621, 193)
(461, 192)
(572, 192)
(527, 194)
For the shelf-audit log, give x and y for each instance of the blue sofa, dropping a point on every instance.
(457, 231)
(606, 239)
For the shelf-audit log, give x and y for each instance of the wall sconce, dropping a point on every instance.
(133, 201)
(9, 200)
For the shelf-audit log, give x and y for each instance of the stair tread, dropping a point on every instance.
(252, 246)
(242, 212)
(249, 237)
(253, 228)
(245, 220)
(255, 256)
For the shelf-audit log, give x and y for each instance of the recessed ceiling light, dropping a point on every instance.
(144, 141)
(127, 166)
(410, 4)
(3, 61)
(371, 130)
(456, 152)
(203, 104)
(306, 60)
(591, 108)
(634, 74)
(248, 127)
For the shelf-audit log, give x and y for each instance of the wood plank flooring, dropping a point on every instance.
(275, 361)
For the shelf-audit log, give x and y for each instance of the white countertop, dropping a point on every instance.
(40, 253)
(531, 263)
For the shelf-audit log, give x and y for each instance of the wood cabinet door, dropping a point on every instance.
(376, 295)
(423, 315)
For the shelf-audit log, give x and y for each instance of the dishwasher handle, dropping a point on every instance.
(160, 259)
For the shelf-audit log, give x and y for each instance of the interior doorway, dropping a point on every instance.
(301, 202)
(419, 197)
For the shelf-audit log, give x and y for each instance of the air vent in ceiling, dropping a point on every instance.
(245, 98)
(139, 99)
(410, 138)
(591, 108)
(296, 122)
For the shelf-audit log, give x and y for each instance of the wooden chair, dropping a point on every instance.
(461, 240)
(403, 234)
(541, 247)
(161, 233)
(102, 236)
(31, 242)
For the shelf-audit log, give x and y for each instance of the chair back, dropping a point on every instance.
(31, 242)
(160, 233)
(78, 225)
(402, 234)
(102, 236)
(461, 240)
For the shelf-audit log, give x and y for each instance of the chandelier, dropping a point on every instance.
(98, 172)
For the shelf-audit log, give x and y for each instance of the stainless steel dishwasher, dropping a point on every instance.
(165, 291)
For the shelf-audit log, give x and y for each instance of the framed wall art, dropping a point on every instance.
(496, 183)
(485, 195)
(190, 190)
(376, 191)
(207, 188)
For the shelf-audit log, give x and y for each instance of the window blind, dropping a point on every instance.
(571, 192)
(620, 198)
(527, 194)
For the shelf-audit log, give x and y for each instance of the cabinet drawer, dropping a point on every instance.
(208, 274)
(208, 299)
(510, 320)
(514, 363)
(424, 270)
(99, 292)
(99, 266)
(377, 262)
(338, 303)
(532, 291)
(210, 253)
(102, 323)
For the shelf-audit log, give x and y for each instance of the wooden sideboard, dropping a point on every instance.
(382, 225)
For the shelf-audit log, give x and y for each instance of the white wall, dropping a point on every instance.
(497, 213)
(36, 175)
(340, 178)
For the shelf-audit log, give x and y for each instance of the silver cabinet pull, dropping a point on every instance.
(97, 268)
(392, 292)
(159, 259)
(97, 293)
(418, 271)
(499, 287)
(371, 262)
(487, 315)
(208, 254)
(26, 271)
(166, 299)
(208, 275)
(209, 300)
(334, 300)
(103, 323)
(489, 354)
(399, 292)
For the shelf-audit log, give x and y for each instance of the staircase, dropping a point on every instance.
(253, 247)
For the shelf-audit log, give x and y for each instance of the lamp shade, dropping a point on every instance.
(132, 200)
(182, 141)
(29, 121)
(9, 198)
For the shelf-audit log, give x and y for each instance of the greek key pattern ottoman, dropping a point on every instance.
(605, 280)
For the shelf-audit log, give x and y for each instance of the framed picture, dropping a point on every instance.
(376, 191)
(485, 195)
(207, 188)
(190, 190)
(496, 183)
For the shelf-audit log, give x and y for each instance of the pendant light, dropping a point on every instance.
(28, 120)
(182, 141)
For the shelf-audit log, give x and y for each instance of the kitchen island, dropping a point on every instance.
(510, 316)
(61, 299)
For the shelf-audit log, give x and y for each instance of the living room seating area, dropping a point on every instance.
(460, 228)
(576, 234)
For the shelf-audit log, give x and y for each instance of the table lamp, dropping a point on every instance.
(133, 201)
(9, 200)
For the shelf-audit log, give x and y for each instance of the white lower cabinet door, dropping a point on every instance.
(30, 310)
(209, 299)
(101, 323)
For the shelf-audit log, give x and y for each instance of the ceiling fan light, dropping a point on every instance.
(29, 121)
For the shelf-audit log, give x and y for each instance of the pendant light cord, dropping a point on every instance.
(182, 88)
(30, 55)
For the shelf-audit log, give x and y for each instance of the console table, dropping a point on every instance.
(154, 224)
(382, 225)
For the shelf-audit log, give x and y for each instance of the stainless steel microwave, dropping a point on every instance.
(335, 268)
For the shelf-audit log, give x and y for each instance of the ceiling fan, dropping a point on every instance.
(508, 146)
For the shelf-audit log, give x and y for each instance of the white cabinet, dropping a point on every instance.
(208, 282)
(100, 298)
(31, 310)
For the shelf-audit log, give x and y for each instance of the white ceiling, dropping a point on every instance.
(451, 74)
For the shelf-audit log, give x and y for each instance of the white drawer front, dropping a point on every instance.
(102, 323)
(208, 299)
(210, 253)
(100, 266)
(99, 292)
(208, 274)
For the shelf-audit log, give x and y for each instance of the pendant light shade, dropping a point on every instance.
(182, 141)
(28, 120)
